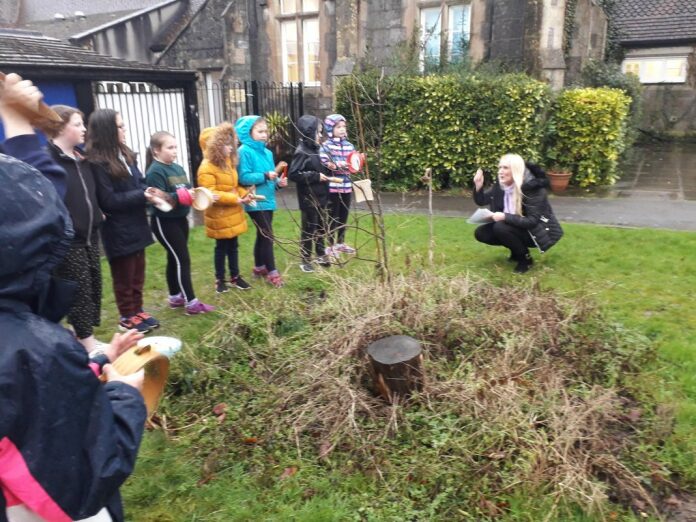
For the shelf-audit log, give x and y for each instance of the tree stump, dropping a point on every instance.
(396, 366)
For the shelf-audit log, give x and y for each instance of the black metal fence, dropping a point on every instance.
(227, 101)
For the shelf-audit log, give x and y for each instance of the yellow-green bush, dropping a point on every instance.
(587, 133)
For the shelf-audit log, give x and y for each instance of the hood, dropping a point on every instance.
(243, 129)
(215, 137)
(308, 125)
(35, 235)
(330, 122)
(534, 177)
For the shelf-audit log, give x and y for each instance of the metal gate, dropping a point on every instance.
(146, 109)
(220, 100)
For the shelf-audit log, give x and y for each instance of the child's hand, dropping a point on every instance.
(342, 164)
(283, 182)
(216, 197)
(121, 343)
(271, 174)
(246, 199)
(280, 166)
(18, 99)
(135, 379)
(323, 177)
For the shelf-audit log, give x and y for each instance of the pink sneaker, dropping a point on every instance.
(176, 301)
(275, 279)
(260, 271)
(342, 247)
(195, 307)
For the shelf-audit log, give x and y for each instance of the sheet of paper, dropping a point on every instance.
(481, 216)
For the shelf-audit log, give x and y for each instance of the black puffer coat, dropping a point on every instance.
(306, 166)
(126, 229)
(537, 215)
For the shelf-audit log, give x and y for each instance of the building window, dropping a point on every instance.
(665, 69)
(445, 32)
(300, 42)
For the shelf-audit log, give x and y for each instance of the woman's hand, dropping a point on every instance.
(122, 342)
(478, 180)
(323, 177)
(498, 216)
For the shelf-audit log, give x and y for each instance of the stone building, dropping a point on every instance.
(315, 41)
(659, 41)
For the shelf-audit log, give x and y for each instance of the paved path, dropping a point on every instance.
(614, 211)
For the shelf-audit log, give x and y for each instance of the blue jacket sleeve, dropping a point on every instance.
(247, 176)
(27, 148)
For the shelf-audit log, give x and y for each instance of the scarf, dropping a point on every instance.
(509, 206)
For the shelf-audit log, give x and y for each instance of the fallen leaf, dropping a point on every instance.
(251, 440)
(221, 417)
(288, 472)
(219, 409)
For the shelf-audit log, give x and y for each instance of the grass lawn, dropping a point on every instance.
(643, 279)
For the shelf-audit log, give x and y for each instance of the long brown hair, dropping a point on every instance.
(103, 146)
(215, 147)
(65, 112)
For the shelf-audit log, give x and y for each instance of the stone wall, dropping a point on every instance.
(588, 39)
(669, 109)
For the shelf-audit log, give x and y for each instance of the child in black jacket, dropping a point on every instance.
(311, 179)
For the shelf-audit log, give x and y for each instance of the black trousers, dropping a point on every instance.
(499, 233)
(313, 232)
(83, 266)
(226, 249)
(263, 247)
(339, 207)
(173, 234)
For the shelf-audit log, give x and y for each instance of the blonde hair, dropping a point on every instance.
(517, 168)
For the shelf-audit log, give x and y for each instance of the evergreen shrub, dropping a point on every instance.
(451, 123)
(587, 133)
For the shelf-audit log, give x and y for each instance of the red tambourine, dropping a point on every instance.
(356, 161)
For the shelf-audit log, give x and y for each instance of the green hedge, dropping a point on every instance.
(450, 123)
(455, 124)
(587, 133)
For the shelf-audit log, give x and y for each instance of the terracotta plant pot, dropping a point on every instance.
(559, 180)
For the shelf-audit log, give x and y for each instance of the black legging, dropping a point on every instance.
(313, 231)
(263, 247)
(173, 234)
(339, 206)
(500, 233)
(226, 249)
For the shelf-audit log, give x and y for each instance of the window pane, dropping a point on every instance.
(458, 41)
(291, 72)
(657, 69)
(675, 70)
(310, 5)
(311, 40)
(288, 6)
(431, 20)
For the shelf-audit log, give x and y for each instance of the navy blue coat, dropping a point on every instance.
(126, 229)
(67, 442)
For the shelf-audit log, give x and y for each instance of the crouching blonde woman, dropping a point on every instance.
(522, 215)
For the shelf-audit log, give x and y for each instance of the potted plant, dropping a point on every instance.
(560, 171)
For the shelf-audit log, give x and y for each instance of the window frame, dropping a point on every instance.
(661, 77)
(298, 17)
(444, 36)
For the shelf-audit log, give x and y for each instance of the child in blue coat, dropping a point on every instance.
(258, 171)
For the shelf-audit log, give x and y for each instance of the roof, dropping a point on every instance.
(34, 54)
(34, 10)
(71, 25)
(659, 22)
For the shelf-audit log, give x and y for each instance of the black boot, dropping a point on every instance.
(523, 263)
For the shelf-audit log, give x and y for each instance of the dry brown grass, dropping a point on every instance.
(523, 391)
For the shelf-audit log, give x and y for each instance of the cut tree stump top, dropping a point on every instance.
(394, 350)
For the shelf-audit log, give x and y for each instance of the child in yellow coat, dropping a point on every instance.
(224, 219)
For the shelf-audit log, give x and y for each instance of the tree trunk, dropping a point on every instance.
(396, 366)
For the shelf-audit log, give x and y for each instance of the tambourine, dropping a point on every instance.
(202, 198)
(356, 161)
(156, 368)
